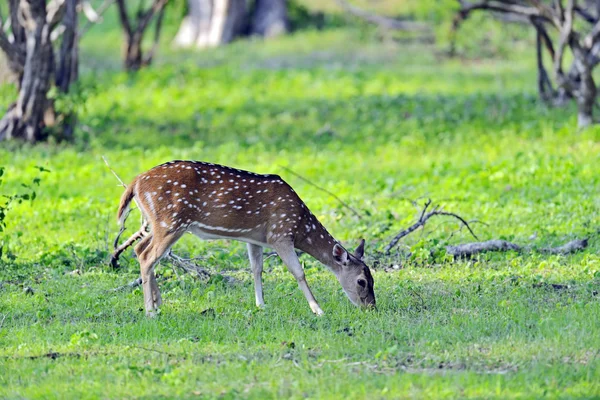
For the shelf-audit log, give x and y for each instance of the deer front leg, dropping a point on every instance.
(255, 253)
(290, 259)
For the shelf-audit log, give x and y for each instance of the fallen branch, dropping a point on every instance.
(470, 249)
(188, 266)
(423, 218)
(342, 202)
(130, 285)
(568, 248)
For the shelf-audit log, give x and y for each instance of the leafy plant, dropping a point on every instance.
(29, 194)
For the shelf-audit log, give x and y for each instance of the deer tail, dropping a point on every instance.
(126, 198)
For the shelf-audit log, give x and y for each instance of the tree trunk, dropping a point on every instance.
(270, 18)
(133, 51)
(586, 90)
(226, 22)
(195, 27)
(134, 34)
(68, 67)
(25, 119)
(586, 99)
(211, 23)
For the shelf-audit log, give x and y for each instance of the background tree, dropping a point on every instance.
(576, 27)
(30, 53)
(211, 23)
(134, 29)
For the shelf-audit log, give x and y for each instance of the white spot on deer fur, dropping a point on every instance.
(204, 204)
(149, 200)
(169, 181)
(251, 180)
(212, 182)
(160, 198)
(163, 224)
(183, 186)
(314, 227)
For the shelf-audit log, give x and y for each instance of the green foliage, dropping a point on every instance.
(378, 124)
(9, 200)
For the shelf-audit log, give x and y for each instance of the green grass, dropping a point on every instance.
(374, 123)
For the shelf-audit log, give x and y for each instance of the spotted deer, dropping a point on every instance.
(217, 202)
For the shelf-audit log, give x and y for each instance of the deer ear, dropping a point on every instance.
(340, 254)
(360, 250)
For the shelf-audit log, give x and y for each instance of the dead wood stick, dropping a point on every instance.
(130, 285)
(187, 265)
(567, 248)
(342, 202)
(422, 221)
(470, 249)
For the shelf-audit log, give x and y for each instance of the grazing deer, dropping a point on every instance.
(217, 202)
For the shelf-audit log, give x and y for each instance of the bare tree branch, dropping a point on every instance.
(124, 17)
(470, 249)
(342, 202)
(97, 17)
(568, 248)
(159, 20)
(423, 218)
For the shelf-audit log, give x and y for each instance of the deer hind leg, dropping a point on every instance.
(290, 259)
(255, 253)
(149, 251)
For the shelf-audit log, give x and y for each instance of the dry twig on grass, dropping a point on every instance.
(466, 250)
(470, 249)
(342, 202)
(424, 217)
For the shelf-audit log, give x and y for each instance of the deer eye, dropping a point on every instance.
(362, 283)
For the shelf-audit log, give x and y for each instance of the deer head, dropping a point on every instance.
(354, 275)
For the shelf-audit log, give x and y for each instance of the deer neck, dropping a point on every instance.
(319, 244)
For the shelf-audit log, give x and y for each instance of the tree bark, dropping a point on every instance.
(25, 119)
(211, 23)
(68, 67)
(270, 18)
(195, 27)
(226, 22)
(133, 57)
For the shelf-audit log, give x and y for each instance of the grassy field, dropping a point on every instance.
(377, 123)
